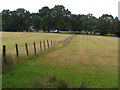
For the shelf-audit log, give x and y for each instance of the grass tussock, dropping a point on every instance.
(7, 61)
(51, 81)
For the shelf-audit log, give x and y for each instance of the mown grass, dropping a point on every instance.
(85, 62)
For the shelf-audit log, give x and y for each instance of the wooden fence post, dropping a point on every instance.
(54, 44)
(34, 47)
(4, 53)
(41, 46)
(59, 43)
(48, 43)
(44, 45)
(17, 53)
(26, 49)
(51, 44)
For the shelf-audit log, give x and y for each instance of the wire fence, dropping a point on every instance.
(33, 49)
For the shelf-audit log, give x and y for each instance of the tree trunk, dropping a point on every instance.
(48, 31)
(91, 33)
(87, 33)
(57, 31)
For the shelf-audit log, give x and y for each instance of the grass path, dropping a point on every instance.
(86, 61)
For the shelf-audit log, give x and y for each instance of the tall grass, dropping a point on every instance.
(10, 59)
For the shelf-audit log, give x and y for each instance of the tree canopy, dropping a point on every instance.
(58, 18)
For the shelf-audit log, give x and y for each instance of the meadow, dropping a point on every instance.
(20, 38)
(85, 62)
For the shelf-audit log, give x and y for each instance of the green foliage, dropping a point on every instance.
(58, 18)
(105, 24)
(15, 20)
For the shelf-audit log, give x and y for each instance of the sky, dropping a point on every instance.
(95, 7)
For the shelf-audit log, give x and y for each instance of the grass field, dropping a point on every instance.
(20, 38)
(86, 61)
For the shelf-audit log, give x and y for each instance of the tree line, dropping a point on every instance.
(60, 19)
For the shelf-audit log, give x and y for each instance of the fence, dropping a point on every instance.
(43, 47)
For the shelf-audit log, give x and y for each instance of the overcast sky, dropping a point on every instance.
(96, 7)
